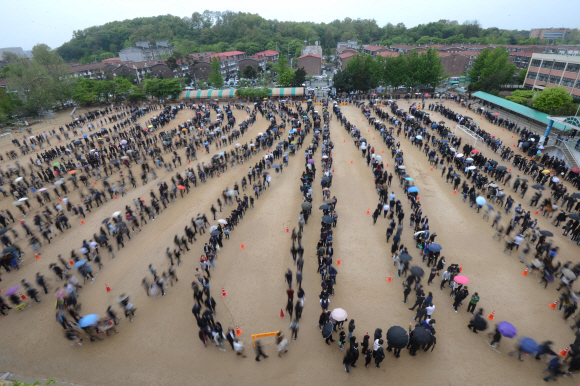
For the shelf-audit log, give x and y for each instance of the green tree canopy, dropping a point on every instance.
(551, 99)
(491, 69)
(250, 72)
(215, 78)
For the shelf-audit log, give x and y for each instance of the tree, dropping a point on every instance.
(249, 72)
(285, 73)
(551, 99)
(299, 77)
(432, 70)
(491, 69)
(522, 76)
(215, 78)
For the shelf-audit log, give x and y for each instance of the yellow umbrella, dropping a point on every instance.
(183, 129)
(150, 126)
(546, 171)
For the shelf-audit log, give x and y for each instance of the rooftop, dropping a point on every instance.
(517, 108)
(371, 47)
(226, 54)
(310, 55)
(347, 55)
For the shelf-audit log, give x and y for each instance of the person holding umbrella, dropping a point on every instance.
(478, 322)
(397, 339)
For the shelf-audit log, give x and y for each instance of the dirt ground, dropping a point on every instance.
(162, 347)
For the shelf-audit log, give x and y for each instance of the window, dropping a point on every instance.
(536, 62)
(573, 67)
(577, 84)
(532, 75)
(567, 82)
(559, 66)
(542, 77)
(547, 64)
(555, 79)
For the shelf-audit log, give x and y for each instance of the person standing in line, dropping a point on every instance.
(434, 272)
(444, 279)
(406, 292)
(473, 302)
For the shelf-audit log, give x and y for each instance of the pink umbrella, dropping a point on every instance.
(461, 279)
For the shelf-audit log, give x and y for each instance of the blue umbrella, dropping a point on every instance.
(435, 247)
(419, 137)
(222, 153)
(444, 141)
(507, 329)
(480, 201)
(434, 126)
(206, 143)
(85, 135)
(351, 93)
(490, 207)
(88, 320)
(413, 189)
(409, 179)
(103, 128)
(79, 263)
(398, 159)
(528, 345)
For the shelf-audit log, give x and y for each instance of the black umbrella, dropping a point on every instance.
(325, 178)
(493, 162)
(405, 257)
(501, 168)
(524, 179)
(576, 195)
(327, 219)
(479, 323)
(540, 165)
(417, 271)
(3, 231)
(215, 233)
(106, 220)
(327, 330)
(8, 250)
(546, 233)
(538, 187)
(324, 207)
(71, 178)
(420, 335)
(573, 216)
(398, 337)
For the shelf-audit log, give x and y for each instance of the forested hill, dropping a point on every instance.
(224, 31)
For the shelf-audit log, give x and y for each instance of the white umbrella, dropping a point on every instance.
(23, 199)
(402, 167)
(222, 221)
(471, 168)
(58, 183)
(459, 155)
(231, 193)
(41, 189)
(117, 213)
(452, 149)
(213, 228)
(238, 145)
(19, 179)
(338, 314)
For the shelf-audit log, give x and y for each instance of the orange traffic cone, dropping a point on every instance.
(351, 162)
(491, 316)
(454, 191)
(387, 165)
(389, 279)
(70, 262)
(525, 273)
(431, 168)
(36, 255)
(116, 198)
(553, 305)
(510, 169)
(107, 288)
(461, 268)
(82, 222)
(373, 137)
(95, 182)
(287, 231)
(22, 297)
(224, 293)
(188, 163)
(338, 262)
(537, 211)
(369, 211)
(243, 246)
(344, 141)
(418, 198)
(564, 352)
(60, 199)
(282, 313)
(382, 151)
(238, 331)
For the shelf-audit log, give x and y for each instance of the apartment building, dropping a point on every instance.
(144, 51)
(548, 70)
(311, 63)
(229, 62)
(549, 33)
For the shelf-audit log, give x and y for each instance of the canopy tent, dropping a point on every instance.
(208, 94)
(231, 93)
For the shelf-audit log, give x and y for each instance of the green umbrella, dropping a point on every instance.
(56, 164)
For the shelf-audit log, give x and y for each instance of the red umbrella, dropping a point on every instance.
(181, 187)
(575, 170)
(475, 151)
